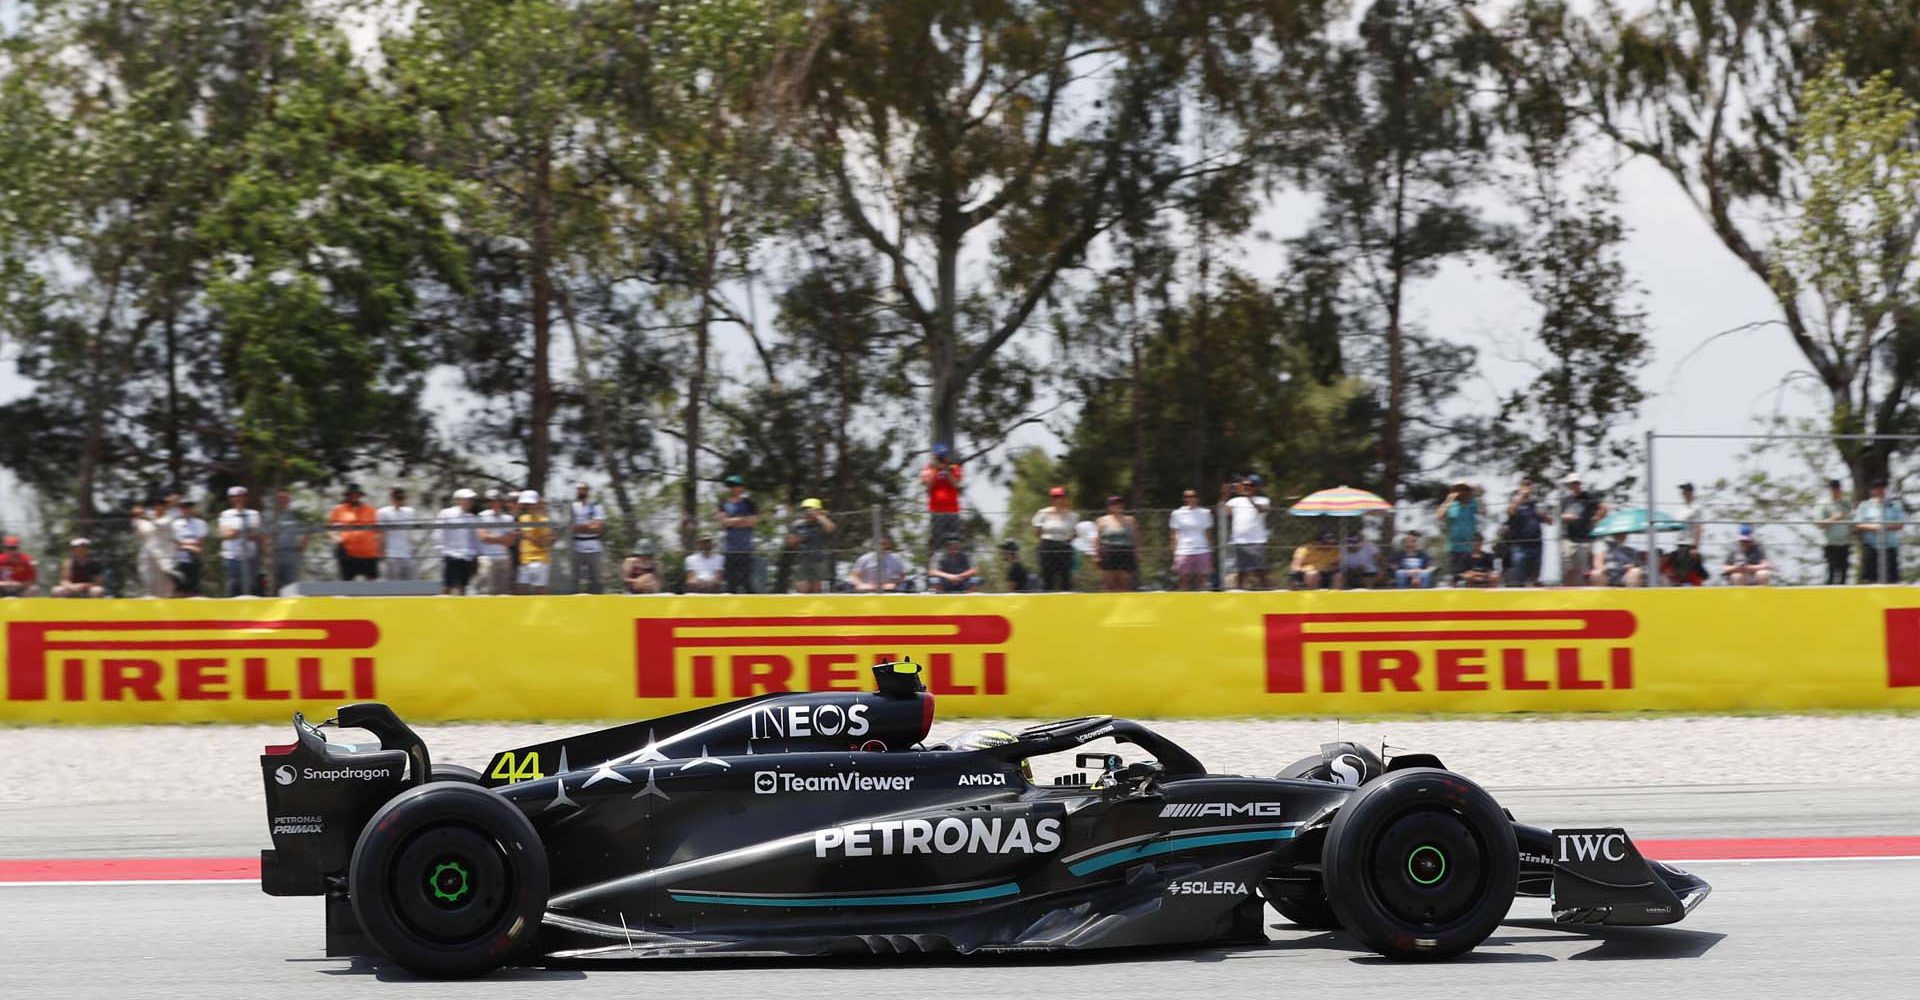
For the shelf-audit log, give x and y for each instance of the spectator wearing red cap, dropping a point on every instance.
(942, 478)
(1053, 525)
(17, 575)
(81, 574)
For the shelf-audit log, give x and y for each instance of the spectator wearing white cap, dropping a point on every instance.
(81, 574)
(536, 545)
(459, 544)
(397, 560)
(589, 524)
(240, 538)
(495, 537)
(1579, 511)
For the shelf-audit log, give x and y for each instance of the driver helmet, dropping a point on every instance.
(981, 739)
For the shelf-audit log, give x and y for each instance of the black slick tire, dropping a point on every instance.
(456, 772)
(1308, 914)
(1421, 865)
(449, 880)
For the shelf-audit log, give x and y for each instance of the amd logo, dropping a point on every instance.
(796, 721)
(1192, 810)
(982, 779)
(1593, 846)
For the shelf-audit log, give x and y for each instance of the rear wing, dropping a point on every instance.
(320, 795)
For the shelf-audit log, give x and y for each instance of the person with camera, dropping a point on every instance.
(809, 538)
(942, 475)
(1460, 512)
(1525, 525)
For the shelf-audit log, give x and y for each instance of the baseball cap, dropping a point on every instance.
(641, 549)
(464, 494)
(236, 491)
(810, 503)
(13, 540)
(355, 488)
(1833, 484)
(734, 480)
(941, 450)
(1010, 546)
(1686, 487)
(529, 496)
(1114, 498)
(76, 543)
(1746, 531)
(493, 494)
(1254, 478)
(1571, 477)
(1057, 491)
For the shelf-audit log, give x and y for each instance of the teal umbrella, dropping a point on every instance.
(1633, 521)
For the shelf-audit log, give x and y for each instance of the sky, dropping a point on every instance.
(1692, 289)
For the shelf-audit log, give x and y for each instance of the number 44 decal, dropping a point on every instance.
(511, 769)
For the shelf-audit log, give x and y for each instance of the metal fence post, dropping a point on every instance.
(1653, 548)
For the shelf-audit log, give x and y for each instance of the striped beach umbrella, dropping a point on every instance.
(1341, 501)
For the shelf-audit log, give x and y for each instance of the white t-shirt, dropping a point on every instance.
(1190, 526)
(491, 520)
(399, 541)
(246, 522)
(584, 512)
(1690, 516)
(457, 540)
(705, 569)
(1054, 525)
(1247, 519)
(188, 529)
(156, 537)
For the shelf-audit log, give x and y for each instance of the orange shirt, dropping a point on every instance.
(358, 544)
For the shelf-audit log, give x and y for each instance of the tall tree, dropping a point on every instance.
(1717, 93)
(1405, 144)
(981, 149)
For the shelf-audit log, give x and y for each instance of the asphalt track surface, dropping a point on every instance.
(1794, 927)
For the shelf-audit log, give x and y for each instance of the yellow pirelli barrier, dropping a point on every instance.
(1147, 655)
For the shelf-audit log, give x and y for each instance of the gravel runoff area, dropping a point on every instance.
(121, 764)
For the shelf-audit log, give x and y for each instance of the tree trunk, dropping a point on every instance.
(539, 445)
(1137, 472)
(597, 417)
(941, 347)
(696, 394)
(176, 461)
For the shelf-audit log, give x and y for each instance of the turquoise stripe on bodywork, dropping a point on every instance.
(1170, 845)
(915, 899)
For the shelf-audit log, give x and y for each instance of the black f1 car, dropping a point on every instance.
(819, 823)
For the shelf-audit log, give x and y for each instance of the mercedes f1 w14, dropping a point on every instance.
(820, 823)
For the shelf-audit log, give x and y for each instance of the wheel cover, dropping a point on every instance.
(1428, 867)
(450, 884)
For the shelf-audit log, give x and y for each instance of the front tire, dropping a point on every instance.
(449, 880)
(1421, 864)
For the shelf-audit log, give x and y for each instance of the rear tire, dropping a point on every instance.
(456, 772)
(449, 880)
(1421, 864)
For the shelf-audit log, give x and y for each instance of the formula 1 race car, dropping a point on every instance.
(819, 823)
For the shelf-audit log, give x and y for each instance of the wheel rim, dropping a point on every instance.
(450, 884)
(1429, 867)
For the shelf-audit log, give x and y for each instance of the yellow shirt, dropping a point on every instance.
(536, 544)
(1325, 558)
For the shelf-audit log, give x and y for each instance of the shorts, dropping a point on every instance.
(1300, 580)
(533, 574)
(1118, 561)
(456, 573)
(1250, 558)
(1195, 564)
(813, 566)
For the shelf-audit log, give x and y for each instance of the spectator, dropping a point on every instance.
(1360, 563)
(589, 526)
(189, 541)
(81, 574)
(1692, 519)
(157, 549)
(1578, 513)
(1747, 564)
(1018, 579)
(951, 570)
(1315, 563)
(1524, 526)
(459, 542)
(1878, 520)
(1191, 527)
(1617, 564)
(288, 535)
(1115, 546)
(639, 572)
(942, 478)
(1460, 513)
(880, 571)
(495, 539)
(240, 538)
(1413, 566)
(1247, 533)
(810, 538)
(1053, 525)
(17, 575)
(737, 516)
(357, 549)
(1478, 568)
(705, 571)
(536, 545)
(1836, 520)
(396, 542)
